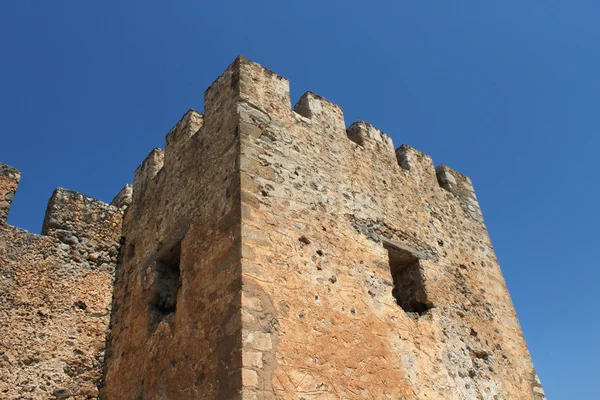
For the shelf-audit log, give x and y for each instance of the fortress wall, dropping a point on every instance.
(176, 323)
(55, 296)
(329, 217)
(265, 253)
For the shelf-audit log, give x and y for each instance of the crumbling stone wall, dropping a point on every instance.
(55, 298)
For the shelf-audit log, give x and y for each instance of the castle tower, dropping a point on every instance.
(271, 253)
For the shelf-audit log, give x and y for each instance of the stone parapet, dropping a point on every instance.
(55, 296)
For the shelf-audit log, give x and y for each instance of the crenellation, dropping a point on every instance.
(267, 253)
(419, 165)
(263, 88)
(146, 172)
(178, 137)
(249, 82)
(362, 133)
(71, 216)
(321, 111)
(462, 187)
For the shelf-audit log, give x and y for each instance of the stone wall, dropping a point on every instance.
(176, 325)
(366, 272)
(274, 253)
(55, 298)
(266, 253)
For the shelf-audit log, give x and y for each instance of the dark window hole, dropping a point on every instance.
(409, 289)
(166, 285)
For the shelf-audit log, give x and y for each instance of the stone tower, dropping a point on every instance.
(273, 253)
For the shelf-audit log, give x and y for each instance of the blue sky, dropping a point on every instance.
(506, 92)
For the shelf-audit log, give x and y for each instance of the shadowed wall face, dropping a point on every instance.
(176, 323)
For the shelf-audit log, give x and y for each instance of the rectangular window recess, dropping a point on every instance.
(409, 289)
(166, 285)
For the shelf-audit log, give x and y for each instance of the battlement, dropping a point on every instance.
(260, 99)
(71, 216)
(461, 186)
(418, 164)
(363, 133)
(180, 134)
(67, 210)
(262, 96)
(268, 252)
(320, 110)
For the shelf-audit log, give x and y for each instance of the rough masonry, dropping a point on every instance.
(265, 253)
(55, 297)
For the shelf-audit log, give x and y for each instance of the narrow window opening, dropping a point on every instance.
(409, 289)
(166, 285)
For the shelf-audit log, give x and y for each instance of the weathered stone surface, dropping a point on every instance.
(325, 276)
(55, 300)
(176, 321)
(267, 254)
(123, 199)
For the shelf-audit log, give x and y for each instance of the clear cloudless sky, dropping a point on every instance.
(506, 92)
